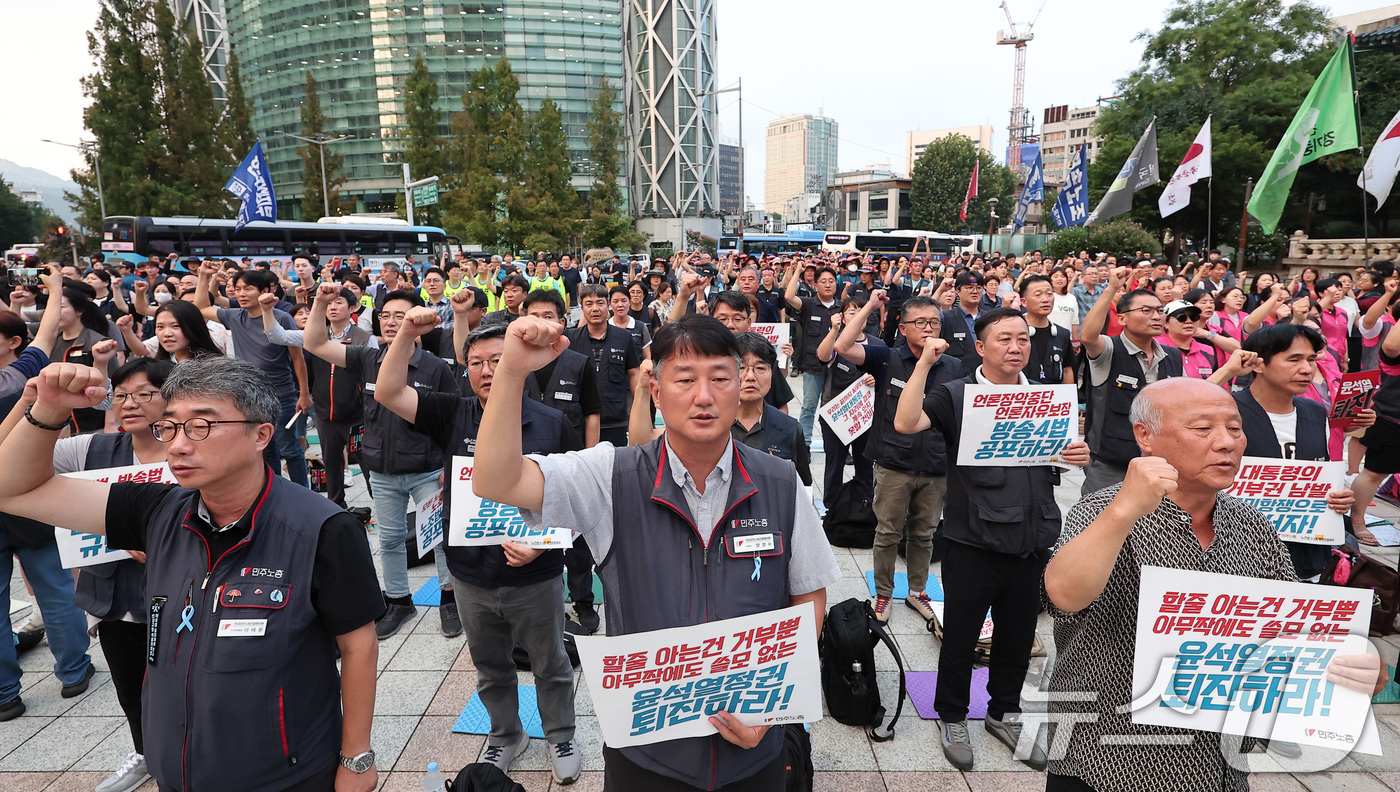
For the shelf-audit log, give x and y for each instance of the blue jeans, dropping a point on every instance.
(811, 394)
(65, 626)
(286, 443)
(391, 493)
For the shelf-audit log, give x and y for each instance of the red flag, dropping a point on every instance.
(971, 190)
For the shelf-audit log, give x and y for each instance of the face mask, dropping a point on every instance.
(164, 297)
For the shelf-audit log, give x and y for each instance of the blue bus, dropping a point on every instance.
(763, 244)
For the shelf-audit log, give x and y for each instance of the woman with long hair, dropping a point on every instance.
(180, 334)
(1229, 312)
(81, 327)
(1066, 310)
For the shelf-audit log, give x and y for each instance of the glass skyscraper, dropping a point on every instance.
(361, 52)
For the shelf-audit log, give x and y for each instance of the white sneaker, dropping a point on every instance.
(129, 776)
(502, 755)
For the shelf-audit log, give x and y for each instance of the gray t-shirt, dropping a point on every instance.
(250, 343)
(578, 495)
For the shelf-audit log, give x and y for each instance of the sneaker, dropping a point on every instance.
(882, 609)
(502, 755)
(920, 604)
(80, 687)
(393, 619)
(587, 617)
(566, 761)
(11, 709)
(1008, 731)
(129, 776)
(24, 641)
(957, 745)
(451, 622)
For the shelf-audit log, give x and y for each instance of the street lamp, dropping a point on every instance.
(992, 226)
(320, 142)
(738, 86)
(90, 147)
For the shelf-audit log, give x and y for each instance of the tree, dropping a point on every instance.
(939, 184)
(236, 131)
(423, 144)
(20, 221)
(193, 160)
(1118, 237)
(316, 171)
(486, 201)
(553, 210)
(606, 226)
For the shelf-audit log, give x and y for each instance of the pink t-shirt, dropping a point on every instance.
(1199, 362)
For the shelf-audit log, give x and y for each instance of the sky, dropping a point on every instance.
(888, 68)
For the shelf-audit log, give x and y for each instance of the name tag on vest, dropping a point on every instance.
(562, 396)
(754, 543)
(1124, 379)
(243, 627)
(959, 336)
(898, 383)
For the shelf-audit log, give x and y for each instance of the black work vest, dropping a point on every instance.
(1005, 509)
(815, 323)
(614, 389)
(1109, 431)
(391, 446)
(564, 391)
(114, 589)
(780, 433)
(336, 393)
(922, 454)
(1051, 369)
(659, 574)
(239, 713)
(540, 432)
(962, 342)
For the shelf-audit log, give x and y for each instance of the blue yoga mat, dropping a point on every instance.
(901, 586)
(428, 595)
(474, 719)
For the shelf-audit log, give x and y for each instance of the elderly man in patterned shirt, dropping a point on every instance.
(1169, 512)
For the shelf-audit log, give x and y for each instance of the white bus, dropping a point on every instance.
(902, 242)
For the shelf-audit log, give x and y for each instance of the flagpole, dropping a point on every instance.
(1361, 149)
(1210, 200)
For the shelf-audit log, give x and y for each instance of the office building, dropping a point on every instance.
(1062, 130)
(361, 52)
(915, 142)
(731, 181)
(866, 200)
(799, 157)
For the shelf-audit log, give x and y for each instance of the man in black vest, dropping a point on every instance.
(813, 318)
(1280, 424)
(1050, 359)
(252, 583)
(508, 594)
(959, 320)
(661, 516)
(615, 359)
(1000, 524)
(1119, 367)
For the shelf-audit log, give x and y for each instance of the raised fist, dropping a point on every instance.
(70, 386)
(1148, 481)
(327, 292)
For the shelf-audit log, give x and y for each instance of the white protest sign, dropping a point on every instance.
(1009, 425)
(777, 333)
(1293, 495)
(987, 626)
(663, 685)
(850, 413)
(1248, 656)
(82, 549)
(429, 523)
(477, 522)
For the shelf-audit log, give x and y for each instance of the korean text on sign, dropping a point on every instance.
(82, 549)
(476, 521)
(1293, 495)
(1353, 394)
(664, 685)
(777, 333)
(851, 413)
(1237, 655)
(1005, 425)
(428, 521)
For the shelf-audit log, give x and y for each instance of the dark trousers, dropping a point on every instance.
(974, 580)
(617, 435)
(335, 440)
(836, 454)
(1064, 783)
(323, 781)
(578, 563)
(124, 646)
(620, 774)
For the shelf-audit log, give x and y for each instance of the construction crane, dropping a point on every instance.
(1020, 128)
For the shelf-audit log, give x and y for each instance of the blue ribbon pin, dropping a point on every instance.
(186, 616)
(757, 568)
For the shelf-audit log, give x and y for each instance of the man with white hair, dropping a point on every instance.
(1169, 511)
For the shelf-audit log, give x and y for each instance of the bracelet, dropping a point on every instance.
(29, 416)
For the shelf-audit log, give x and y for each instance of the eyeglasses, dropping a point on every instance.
(757, 370)
(195, 428)
(1147, 310)
(477, 365)
(924, 324)
(139, 397)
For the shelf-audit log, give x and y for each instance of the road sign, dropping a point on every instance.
(426, 195)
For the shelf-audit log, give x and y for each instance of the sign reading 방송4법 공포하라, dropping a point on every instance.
(476, 521)
(1007, 425)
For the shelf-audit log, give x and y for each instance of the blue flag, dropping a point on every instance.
(1033, 193)
(252, 184)
(1072, 204)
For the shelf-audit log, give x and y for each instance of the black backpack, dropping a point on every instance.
(483, 777)
(847, 648)
(797, 758)
(850, 516)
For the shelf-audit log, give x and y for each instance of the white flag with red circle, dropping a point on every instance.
(1194, 167)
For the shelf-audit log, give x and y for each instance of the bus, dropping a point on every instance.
(763, 244)
(902, 242)
(375, 239)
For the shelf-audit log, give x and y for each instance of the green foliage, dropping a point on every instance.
(194, 159)
(313, 125)
(19, 221)
(606, 226)
(423, 146)
(553, 214)
(1068, 242)
(939, 184)
(486, 161)
(1119, 236)
(696, 241)
(237, 127)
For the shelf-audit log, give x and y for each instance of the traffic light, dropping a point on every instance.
(61, 236)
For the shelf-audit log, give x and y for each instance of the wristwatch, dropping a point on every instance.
(358, 764)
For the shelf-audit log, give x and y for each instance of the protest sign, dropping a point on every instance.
(476, 521)
(850, 413)
(777, 333)
(1006, 425)
(663, 685)
(428, 521)
(77, 549)
(1248, 656)
(1293, 495)
(1353, 394)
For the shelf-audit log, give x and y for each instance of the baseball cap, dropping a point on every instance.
(867, 268)
(1176, 307)
(479, 298)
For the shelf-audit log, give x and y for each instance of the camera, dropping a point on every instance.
(24, 276)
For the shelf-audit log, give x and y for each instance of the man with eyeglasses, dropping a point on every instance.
(1119, 367)
(958, 321)
(910, 470)
(252, 584)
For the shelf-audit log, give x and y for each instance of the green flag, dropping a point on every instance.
(1325, 124)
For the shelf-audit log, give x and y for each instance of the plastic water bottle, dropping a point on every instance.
(432, 782)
